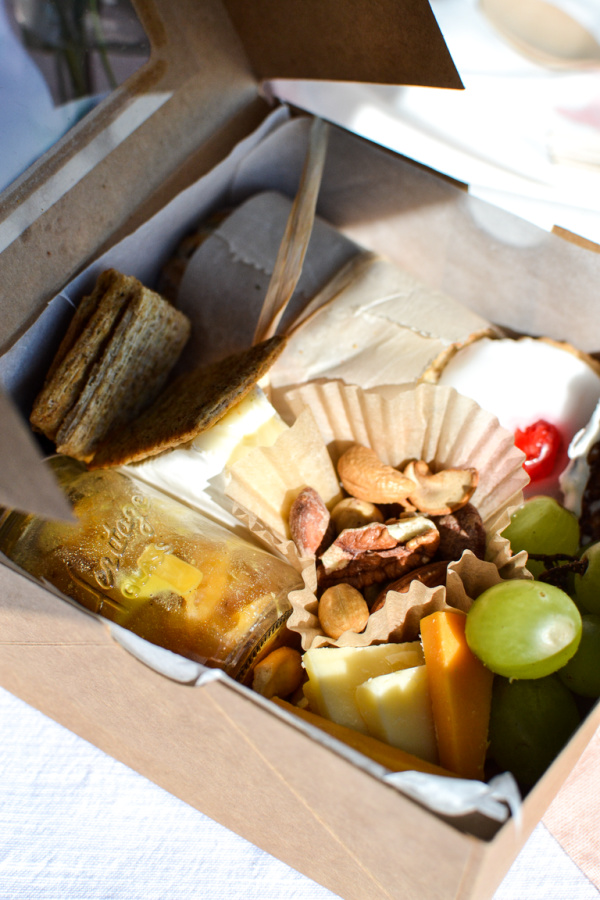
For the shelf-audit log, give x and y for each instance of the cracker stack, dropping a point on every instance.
(112, 363)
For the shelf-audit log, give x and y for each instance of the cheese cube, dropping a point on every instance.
(334, 673)
(397, 710)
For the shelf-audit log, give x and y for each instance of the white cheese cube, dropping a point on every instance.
(335, 672)
(397, 710)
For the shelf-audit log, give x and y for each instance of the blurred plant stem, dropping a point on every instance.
(72, 31)
(73, 17)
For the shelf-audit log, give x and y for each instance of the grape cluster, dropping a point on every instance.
(541, 638)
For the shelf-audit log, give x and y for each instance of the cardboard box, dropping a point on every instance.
(199, 115)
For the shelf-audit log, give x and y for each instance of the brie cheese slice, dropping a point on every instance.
(195, 472)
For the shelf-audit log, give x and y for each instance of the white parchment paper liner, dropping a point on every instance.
(425, 422)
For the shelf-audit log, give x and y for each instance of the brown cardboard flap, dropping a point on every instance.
(25, 483)
(383, 42)
(235, 760)
(187, 108)
(195, 98)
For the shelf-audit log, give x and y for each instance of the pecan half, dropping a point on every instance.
(432, 574)
(377, 553)
(459, 531)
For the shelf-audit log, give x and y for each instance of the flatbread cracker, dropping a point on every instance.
(190, 405)
(131, 372)
(117, 353)
(79, 350)
(88, 305)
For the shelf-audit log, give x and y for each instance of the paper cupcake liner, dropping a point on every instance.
(426, 421)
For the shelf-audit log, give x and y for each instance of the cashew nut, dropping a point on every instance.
(366, 477)
(440, 493)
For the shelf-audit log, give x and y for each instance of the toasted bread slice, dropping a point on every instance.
(80, 350)
(190, 405)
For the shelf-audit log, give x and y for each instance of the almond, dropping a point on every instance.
(310, 522)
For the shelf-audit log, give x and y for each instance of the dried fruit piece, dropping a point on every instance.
(342, 608)
(443, 492)
(366, 477)
(310, 522)
(279, 674)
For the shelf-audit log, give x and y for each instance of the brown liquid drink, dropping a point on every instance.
(156, 567)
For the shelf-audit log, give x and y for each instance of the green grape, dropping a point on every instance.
(586, 588)
(542, 526)
(523, 629)
(530, 722)
(582, 673)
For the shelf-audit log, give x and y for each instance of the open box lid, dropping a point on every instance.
(387, 42)
(198, 95)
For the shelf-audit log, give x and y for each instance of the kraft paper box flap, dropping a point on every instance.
(197, 96)
(232, 759)
(237, 761)
(390, 42)
(26, 483)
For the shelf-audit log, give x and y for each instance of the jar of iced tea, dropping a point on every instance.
(153, 565)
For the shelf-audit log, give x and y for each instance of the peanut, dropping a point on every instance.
(279, 674)
(342, 608)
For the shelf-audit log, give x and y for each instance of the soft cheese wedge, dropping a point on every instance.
(397, 710)
(185, 471)
(334, 674)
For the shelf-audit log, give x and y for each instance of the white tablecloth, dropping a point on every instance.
(77, 825)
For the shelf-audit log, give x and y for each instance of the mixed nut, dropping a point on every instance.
(395, 525)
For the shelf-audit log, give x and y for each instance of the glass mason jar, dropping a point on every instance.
(156, 567)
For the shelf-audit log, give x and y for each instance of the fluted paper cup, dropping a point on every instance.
(426, 421)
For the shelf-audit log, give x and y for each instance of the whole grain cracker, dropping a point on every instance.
(131, 371)
(191, 404)
(79, 351)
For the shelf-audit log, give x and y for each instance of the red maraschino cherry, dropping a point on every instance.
(540, 443)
